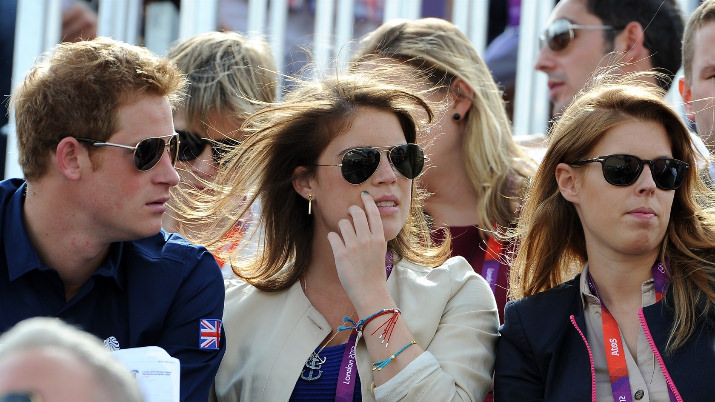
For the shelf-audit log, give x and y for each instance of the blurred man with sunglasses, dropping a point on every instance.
(586, 35)
(81, 235)
(697, 87)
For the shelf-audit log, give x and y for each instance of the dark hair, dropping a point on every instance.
(663, 24)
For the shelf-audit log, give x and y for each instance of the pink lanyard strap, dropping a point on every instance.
(490, 266)
(348, 369)
(613, 342)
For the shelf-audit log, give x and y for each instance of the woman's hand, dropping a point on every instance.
(359, 252)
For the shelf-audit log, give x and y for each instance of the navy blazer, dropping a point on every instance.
(543, 351)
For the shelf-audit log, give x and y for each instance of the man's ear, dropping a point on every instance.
(687, 96)
(71, 157)
(462, 96)
(631, 43)
(303, 182)
(568, 182)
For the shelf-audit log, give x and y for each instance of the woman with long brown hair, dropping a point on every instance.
(347, 298)
(617, 198)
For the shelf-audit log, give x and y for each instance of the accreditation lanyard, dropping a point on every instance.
(613, 342)
(490, 266)
(348, 369)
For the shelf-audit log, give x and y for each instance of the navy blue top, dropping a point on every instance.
(325, 387)
(149, 292)
(542, 354)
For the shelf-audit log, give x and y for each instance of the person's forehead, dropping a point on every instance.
(703, 39)
(574, 11)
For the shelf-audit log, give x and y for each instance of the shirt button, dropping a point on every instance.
(639, 394)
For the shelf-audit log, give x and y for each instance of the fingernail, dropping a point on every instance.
(365, 192)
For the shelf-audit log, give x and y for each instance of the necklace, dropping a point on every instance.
(314, 363)
(312, 368)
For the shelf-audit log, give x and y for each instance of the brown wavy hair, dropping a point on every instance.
(293, 134)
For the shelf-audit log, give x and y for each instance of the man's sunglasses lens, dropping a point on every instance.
(149, 152)
(558, 35)
(360, 163)
(624, 170)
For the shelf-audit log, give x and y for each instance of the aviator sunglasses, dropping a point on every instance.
(560, 33)
(192, 145)
(624, 170)
(359, 164)
(147, 152)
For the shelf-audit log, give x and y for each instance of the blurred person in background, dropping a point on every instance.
(230, 77)
(476, 171)
(697, 86)
(583, 36)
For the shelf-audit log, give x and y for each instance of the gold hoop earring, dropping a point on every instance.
(310, 204)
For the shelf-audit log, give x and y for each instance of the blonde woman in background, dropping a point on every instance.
(476, 172)
(230, 77)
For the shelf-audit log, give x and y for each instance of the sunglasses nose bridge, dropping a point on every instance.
(643, 175)
(385, 158)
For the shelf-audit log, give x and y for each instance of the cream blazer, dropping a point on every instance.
(450, 311)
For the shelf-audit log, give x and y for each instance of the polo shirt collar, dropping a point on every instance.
(22, 256)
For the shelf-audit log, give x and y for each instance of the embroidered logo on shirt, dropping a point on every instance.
(111, 344)
(210, 333)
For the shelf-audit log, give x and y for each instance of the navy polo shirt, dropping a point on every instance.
(158, 291)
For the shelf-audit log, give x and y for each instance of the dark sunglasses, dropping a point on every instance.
(191, 146)
(147, 152)
(359, 164)
(560, 33)
(624, 170)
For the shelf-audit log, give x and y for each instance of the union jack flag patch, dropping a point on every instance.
(210, 334)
